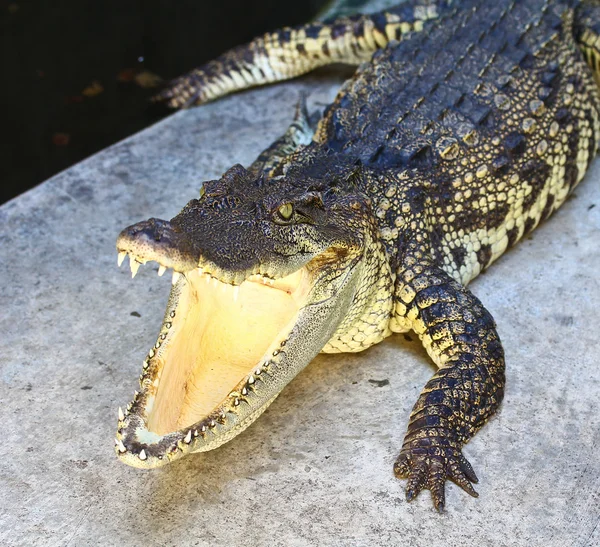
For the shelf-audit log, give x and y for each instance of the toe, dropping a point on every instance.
(467, 469)
(416, 482)
(457, 475)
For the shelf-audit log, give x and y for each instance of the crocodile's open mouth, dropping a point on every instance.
(215, 342)
(217, 338)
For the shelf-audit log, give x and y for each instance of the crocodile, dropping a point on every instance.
(465, 125)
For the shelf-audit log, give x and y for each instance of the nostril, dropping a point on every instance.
(150, 230)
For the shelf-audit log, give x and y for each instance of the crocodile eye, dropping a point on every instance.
(285, 211)
(202, 191)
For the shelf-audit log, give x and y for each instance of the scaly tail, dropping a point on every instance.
(290, 52)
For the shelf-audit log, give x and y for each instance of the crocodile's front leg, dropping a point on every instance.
(290, 52)
(460, 336)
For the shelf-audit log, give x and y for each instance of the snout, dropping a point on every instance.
(158, 240)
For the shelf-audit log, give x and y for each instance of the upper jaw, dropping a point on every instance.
(160, 241)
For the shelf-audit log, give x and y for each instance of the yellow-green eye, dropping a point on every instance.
(202, 191)
(286, 211)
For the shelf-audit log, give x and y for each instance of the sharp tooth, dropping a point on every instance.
(120, 446)
(134, 265)
(236, 292)
(142, 455)
(122, 255)
(176, 276)
(121, 415)
(250, 379)
(188, 437)
(161, 270)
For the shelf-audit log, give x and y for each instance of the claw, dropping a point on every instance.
(438, 493)
(416, 482)
(462, 481)
(411, 495)
(463, 477)
(470, 490)
(467, 469)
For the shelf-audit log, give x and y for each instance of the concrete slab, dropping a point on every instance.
(316, 469)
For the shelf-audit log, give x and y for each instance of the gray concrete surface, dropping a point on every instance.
(316, 469)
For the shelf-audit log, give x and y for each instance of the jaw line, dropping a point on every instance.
(139, 447)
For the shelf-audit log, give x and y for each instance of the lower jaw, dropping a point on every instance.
(146, 450)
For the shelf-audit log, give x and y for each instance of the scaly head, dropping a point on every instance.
(265, 271)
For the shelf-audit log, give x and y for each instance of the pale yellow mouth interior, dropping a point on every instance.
(219, 336)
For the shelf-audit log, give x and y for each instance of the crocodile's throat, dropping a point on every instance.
(219, 336)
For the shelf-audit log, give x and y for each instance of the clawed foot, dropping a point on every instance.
(429, 467)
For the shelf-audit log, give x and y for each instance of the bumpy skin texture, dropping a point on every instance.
(465, 135)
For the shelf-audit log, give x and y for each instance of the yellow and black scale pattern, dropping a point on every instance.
(472, 123)
(293, 51)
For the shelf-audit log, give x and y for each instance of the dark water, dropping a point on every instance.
(72, 73)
